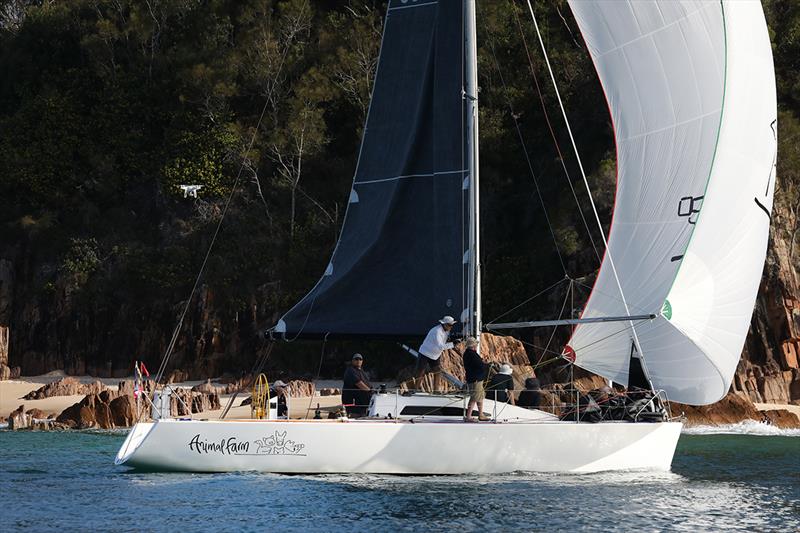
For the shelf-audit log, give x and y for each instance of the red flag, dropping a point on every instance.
(144, 369)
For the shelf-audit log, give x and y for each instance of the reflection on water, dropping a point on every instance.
(68, 482)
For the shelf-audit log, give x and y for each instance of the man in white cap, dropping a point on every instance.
(436, 341)
(501, 386)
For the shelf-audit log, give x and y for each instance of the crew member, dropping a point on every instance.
(475, 369)
(501, 386)
(531, 396)
(280, 390)
(431, 350)
(356, 390)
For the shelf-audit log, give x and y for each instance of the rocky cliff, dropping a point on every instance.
(768, 371)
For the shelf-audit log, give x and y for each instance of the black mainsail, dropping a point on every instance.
(402, 258)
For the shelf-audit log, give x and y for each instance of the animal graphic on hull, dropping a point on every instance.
(277, 444)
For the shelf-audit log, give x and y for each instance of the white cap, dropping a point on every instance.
(505, 369)
(447, 320)
(279, 383)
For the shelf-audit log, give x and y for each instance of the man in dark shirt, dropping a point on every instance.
(356, 391)
(475, 370)
(280, 391)
(501, 385)
(531, 396)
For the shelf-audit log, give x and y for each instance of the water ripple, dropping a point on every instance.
(739, 482)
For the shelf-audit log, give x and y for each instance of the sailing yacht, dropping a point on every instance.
(691, 91)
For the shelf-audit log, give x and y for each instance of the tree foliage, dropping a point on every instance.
(106, 106)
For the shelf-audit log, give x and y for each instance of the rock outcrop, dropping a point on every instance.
(300, 387)
(94, 411)
(730, 410)
(123, 410)
(37, 414)
(21, 419)
(769, 370)
(184, 402)
(67, 386)
(206, 388)
(108, 409)
(782, 418)
(177, 376)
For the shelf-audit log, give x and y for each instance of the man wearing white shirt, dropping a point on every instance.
(436, 341)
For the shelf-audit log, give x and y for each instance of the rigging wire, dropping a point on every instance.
(162, 367)
(319, 370)
(552, 132)
(258, 366)
(584, 347)
(637, 308)
(245, 163)
(585, 180)
(527, 155)
(528, 300)
(555, 328)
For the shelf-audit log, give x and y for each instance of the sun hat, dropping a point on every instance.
(357, 356)
(505, 369)
(447, 320)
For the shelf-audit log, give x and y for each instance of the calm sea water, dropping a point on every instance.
(67, 482)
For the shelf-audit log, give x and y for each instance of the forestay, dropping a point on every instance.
(398, 264)
(691, 90)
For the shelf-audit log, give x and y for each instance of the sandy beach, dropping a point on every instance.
(11, 393)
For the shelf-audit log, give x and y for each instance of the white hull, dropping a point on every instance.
(397, 447)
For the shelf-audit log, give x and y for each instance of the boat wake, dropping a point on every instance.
(747, 427)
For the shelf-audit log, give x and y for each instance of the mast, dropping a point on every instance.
(472, 322)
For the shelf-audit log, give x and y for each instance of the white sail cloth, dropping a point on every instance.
(691, 89)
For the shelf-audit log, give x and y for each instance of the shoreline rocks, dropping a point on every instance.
(782, 418)
(67, 386)
(109, 409)
(732, 409)
(32, 419)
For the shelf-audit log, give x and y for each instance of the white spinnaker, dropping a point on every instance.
(691, 89)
